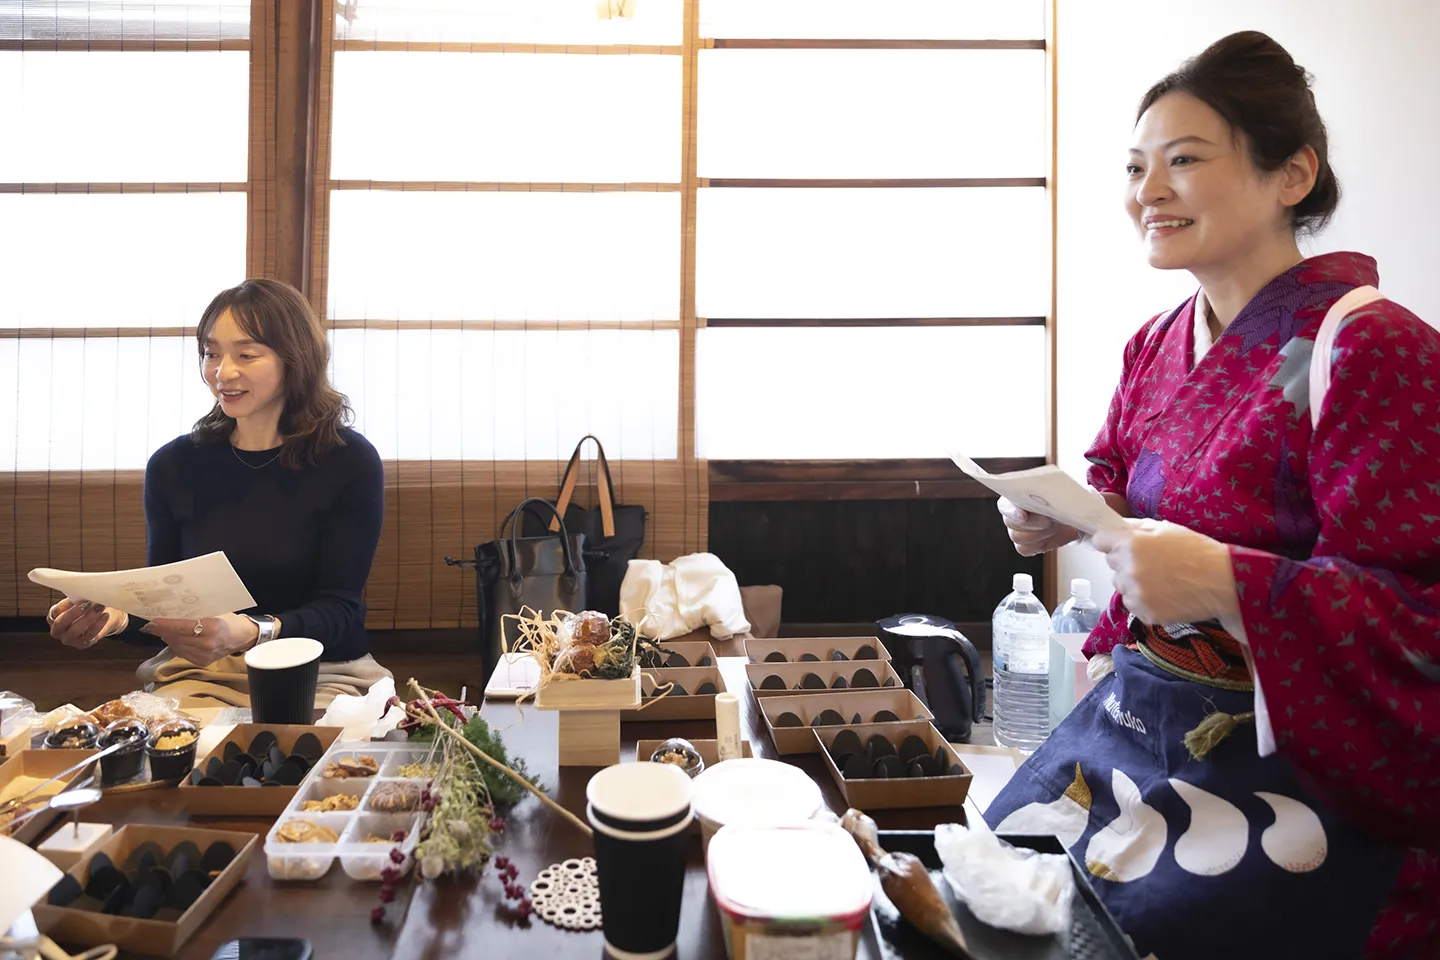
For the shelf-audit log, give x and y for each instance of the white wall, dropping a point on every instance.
(1377, 83)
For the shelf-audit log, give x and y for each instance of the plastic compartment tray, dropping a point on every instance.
(360, 859)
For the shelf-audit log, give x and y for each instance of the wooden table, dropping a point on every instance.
(471, 917)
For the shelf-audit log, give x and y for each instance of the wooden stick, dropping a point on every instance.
(424, 696)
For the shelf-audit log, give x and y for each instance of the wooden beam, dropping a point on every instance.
(964, 488)
(693, 472)
(126, 46)
(455, 46)
(872, 182)
(69, 188)
(714, 322)
(829, 480)
(795, 43)
(500, 186)
(1050, 568)
(299, 26)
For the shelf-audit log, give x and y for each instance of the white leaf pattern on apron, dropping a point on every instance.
(1296, 840)
(1129, 846)
(1064, 818)
(1218, 835)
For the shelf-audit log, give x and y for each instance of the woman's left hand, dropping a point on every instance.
(218, 637)
(1167, 573)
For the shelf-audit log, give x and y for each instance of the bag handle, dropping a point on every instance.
(513, 522)
(1325, 344)
(572, 475)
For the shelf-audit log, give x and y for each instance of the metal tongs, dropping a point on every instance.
(9, 806)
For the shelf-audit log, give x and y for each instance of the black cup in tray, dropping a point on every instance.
(261, 764)
(171, 749)
(127, 762)
(879, 758)
(78, 736)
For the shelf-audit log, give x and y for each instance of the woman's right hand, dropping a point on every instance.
(1034, 533)
(81, 624)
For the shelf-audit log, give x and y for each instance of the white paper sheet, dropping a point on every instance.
(1050, 491)
(515, 675)
(188, 590)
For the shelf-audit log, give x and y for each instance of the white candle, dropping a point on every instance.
(727, 726)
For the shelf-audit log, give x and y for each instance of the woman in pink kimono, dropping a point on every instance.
(1259, 772)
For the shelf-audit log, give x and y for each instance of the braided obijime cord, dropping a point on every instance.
(42, 946)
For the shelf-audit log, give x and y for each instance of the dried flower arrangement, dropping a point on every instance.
(474, 782)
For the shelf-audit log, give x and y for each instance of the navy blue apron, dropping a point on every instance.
(1225, 857)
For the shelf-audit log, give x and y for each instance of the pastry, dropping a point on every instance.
(346, 767)
(339, 802)
(395, 797)
(399, 837)
(303, 831)
(591, 628)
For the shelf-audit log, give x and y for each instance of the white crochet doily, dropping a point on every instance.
(568, 895)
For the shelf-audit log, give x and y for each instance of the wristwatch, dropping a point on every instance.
(266, 624)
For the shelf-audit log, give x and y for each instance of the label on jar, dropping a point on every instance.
(829, 946)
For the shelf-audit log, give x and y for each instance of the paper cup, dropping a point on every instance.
(640, 812)
(283, 675)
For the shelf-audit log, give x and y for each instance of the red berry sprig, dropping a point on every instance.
(390, 877)
(509, 876)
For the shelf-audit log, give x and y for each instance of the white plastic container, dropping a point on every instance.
(359, 859)
(789, 891)
(753, 792)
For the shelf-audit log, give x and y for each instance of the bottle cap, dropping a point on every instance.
(1022, 583)
(1080, 587)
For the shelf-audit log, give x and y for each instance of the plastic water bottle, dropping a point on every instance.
(1022, 668)
(1079, 614)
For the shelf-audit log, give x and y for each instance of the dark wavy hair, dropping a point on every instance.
(277, 315)
(1253, 83)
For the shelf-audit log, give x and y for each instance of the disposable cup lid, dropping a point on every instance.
(811, 872)
(757, 792)
(284, 653)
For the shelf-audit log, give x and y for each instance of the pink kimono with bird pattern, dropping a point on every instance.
(1334, 537)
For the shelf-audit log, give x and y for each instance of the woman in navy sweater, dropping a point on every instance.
(271, 476)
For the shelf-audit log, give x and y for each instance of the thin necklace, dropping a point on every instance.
(254, 466)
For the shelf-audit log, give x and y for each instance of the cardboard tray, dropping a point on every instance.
(154, 937)
(251, 801)
(590, 694)
(808, 706)
(692, 650)
(945, 791)
(692, 706)
(822, 647)
(44, 764)
(792, 673)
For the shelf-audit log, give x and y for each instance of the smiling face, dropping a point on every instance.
(245, 376)
(1194, 194)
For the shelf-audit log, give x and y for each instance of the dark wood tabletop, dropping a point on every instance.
(471, 917)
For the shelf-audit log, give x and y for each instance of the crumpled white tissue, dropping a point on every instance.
(1004, 886)
(358, 714)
